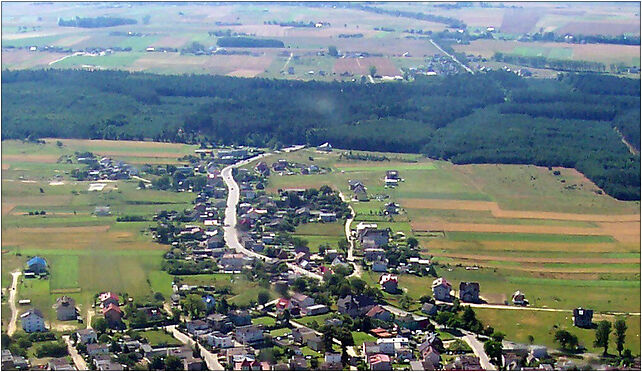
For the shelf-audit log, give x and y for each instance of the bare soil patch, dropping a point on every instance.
(626, 232)
(31, 158)
(7, 208)
(6, 166)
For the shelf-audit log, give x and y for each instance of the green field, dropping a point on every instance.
(85, 254)
(159, 338)
(560, 270)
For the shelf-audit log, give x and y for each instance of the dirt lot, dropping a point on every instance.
(361, 66)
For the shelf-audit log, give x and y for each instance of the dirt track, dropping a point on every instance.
(540, 260)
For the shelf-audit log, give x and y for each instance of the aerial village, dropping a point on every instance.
(325, 315)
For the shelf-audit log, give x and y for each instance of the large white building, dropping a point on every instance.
(33, 321)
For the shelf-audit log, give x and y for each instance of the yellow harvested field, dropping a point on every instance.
(116, 144)
(503, 246)
(7, 208)
(494, 208)
(542, 260)
(30, 158)
(245, 73)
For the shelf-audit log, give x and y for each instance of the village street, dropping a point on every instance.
(80, 363)
(233, 196)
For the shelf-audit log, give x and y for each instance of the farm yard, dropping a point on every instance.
(515, 227)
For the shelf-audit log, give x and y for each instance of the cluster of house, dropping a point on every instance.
(102, 359)
(374, 241)
(436, 64)
(300, 305)
(227, 156)
(468, 292)
(106, 168)
(283, 167)
(13, 362)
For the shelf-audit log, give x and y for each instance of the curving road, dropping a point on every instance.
(11, 329)
(229, 228)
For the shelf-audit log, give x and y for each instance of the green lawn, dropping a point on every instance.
(267, 321)
(280, 332)
(528, 237)
(361, 337)
(160, 338)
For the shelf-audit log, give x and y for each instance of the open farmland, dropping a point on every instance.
(520, 226)
(605, 53)
(86, 254)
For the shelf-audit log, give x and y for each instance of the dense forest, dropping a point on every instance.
(96, 22)
(497, 117)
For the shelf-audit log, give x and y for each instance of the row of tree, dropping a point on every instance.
(97, 22)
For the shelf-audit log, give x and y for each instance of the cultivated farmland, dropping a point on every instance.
(520, 227)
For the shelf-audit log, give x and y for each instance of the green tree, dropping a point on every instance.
(99, 324)
(156, 363)
(263, 297)
(602, 334)
(332, 51)
(194, 305)
(412, 242)
(405, 302)
(372, 70)
(620, 335)
(173, 363)
(494, 351)
(566, 340)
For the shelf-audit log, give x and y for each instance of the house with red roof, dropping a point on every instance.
(283, 304)
(108, 298)
(379, 362)
(441, 289)
(378, 312)
(114, 315)
(389, 283)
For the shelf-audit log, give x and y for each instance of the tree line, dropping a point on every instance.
(496, 117)
(89, 22)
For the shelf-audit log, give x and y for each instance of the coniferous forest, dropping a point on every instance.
(577, 121)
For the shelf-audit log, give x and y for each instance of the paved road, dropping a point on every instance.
(452, 57)
(79, 361)
(210, 358)
(11, 329)
(233, 196)
(478, 349)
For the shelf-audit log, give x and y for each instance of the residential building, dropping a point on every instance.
(108, 298)
(355, 305)
(65, 308)
(582, 318)
(114, 315)
(97, 349)
(469, 292)
(389, 283)
(441, 289)
(380, 313)
(33, 321)
(37, 265)
(87, 336)
(380, 362)
(248, 334)
(519, 299)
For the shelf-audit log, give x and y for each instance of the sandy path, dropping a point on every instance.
(11, 329)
